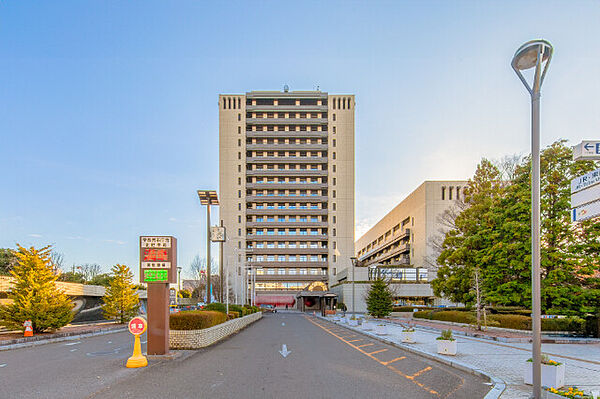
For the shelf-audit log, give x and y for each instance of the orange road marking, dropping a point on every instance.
(393, 360)
(379, 351)
(360, 346)
(400, 373)
(418, 373)
(354, 340)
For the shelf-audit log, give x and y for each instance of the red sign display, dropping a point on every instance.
(158, 259)
(137, 325)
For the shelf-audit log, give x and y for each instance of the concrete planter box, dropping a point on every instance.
(552, 376)
(445, 347)
(196, 339)
(380, 329)
(353, 323)
(366, 326)
(407, 337)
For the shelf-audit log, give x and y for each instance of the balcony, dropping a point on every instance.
(286, 198)
(286, 108)
(286, 211)
(288, 147)
(290, 237)
(402, 237)
(291, 134)
(287, 251)
(286, 121)
(291, 277)
(289, 186)
(286, 172)
(287, 224)
(286, 160)
(286, 264)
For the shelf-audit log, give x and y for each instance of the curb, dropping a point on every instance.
(70, 337)
(498, 385)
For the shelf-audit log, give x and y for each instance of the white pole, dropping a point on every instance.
(227, 289)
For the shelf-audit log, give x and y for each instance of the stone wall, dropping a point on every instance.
(195, 339)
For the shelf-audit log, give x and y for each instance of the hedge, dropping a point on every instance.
(564, 324)
(514, 321)
(216, 306)
(195, 319)
(233, 315)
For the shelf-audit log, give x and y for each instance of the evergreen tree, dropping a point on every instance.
(34, 294)
(120, 300)
(379, 299)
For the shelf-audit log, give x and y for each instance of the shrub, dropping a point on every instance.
(514, 321)
(242, 311)
(446, 335)
(233, 315)
(423, 314)
(573, 324)
(455, 316)
(216, 306)
(196, 319)
(341, 306)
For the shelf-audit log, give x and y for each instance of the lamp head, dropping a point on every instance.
(527, 55)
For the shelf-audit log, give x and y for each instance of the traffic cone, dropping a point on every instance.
(137, 359)
(28, 329)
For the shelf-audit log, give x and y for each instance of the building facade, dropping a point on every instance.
(400, 247)
(286, 190)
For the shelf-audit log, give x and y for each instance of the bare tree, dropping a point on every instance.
(507, 166)
(198, 283)
(57, 260)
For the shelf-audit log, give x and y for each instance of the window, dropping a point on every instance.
(292, 258)
(280, 271)
(314, 258)
(334, 117)
(240, 117)
(259, 258)
(333, 232)
(271, 258)
(334, 142)
(303, 271)
(260, 245)
(270, 245)
(334, 206)
(333, 193)
(292, 271)
(333, 168)
(281, 258)
(260, 233)
(333, 155)
(239, 130)
(281, 245)
(303, 258)
(334, 219)
(260, 271)
(270, 232)
(443, 193)
(270, 271)
(334, 181)
(314, 271)
(450, 189)
(239, 155)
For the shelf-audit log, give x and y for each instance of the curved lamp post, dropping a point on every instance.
(535, 54)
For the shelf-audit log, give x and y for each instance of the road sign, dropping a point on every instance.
(158, 259)
(585, 196)
(585, 212)
(217, 233)
(587, 150)
(137, 325)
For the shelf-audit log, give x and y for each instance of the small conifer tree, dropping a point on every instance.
(121, 301)
(379, 299)
(34, 294)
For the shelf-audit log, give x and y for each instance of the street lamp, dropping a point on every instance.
(354, 260)
(535, 54)
(208, 198)
(178, 284)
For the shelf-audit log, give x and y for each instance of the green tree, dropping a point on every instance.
(493, 236)
(34, 294)
(71, 277)
(103, 279)
(120, 300)
(7, 260)
(379, 299)
(463, 248)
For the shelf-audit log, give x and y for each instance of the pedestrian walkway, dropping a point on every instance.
(507, 361)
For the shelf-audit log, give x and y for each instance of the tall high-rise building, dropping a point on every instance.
(286, 190)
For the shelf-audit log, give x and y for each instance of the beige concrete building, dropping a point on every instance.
(286, 190)
(399, 248)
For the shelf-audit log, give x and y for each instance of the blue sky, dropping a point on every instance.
(109, 119)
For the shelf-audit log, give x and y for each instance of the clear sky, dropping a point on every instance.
(109, 118)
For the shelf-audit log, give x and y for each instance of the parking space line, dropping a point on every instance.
(360, 346)
(393, 360)
(379, 351)
(418, 373)
(370, 354)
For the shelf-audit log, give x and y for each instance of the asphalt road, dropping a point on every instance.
(68, 369)
(326, 361)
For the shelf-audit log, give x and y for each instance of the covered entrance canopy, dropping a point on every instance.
(275, 300)
(316, 297)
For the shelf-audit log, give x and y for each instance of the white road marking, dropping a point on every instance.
(73, 343)
(283, 324)
(143, 342)
(110, 342)
(284, 351)
(2, 365)
(73, 350)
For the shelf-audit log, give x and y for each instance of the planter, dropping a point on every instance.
(329, 312)
(552, 376)
(380, 329)
(353, 322)
(408, 337)
(366, 326)
(445, 347)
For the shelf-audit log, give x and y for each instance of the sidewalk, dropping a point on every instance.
(507, 360)
(12, 340)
